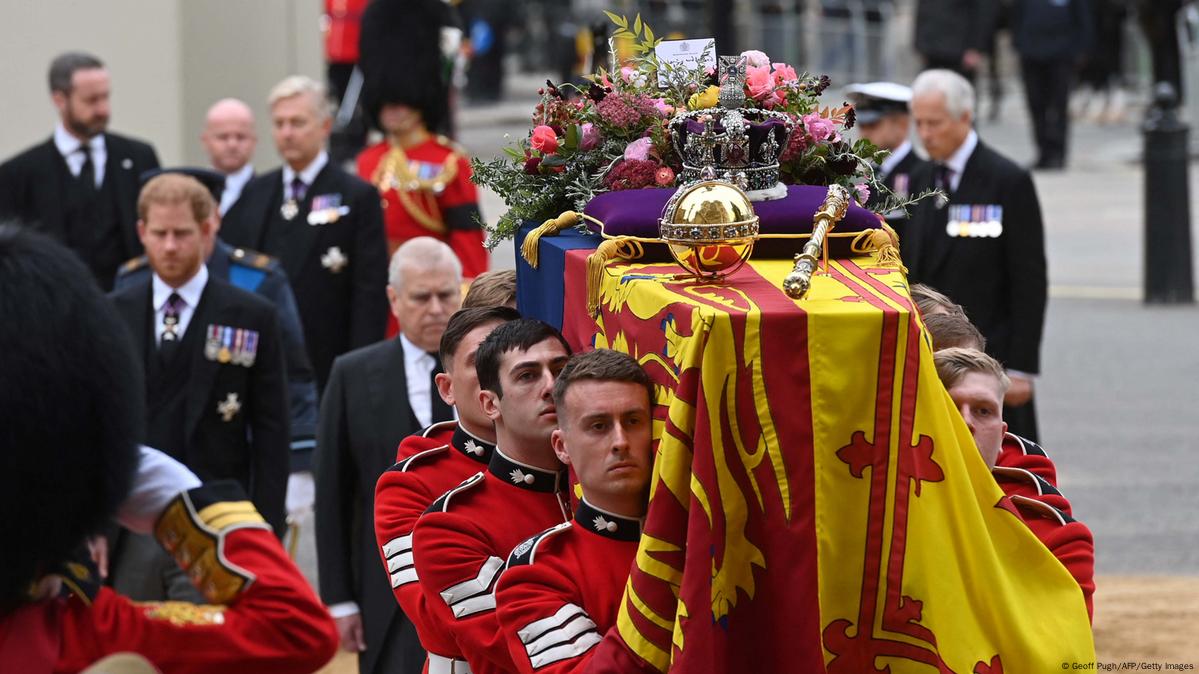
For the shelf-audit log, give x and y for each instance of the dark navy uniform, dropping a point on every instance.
(262, 274)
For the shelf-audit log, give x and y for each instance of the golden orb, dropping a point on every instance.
(710, 228)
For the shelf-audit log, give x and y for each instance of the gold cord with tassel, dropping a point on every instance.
(625, 248)
(529, 249)
(884, 243)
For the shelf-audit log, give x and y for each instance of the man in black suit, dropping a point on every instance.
(954, 34)
(882, 118)
(216, 392)
(377, 396)
(983, 245)
(324, 225)
(81, 185)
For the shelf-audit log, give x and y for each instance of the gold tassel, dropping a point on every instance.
(884, 243)
(621, 247)
(529, 249)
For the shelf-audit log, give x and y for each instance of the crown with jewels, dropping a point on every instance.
(732, 143)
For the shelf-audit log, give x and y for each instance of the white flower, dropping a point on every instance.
(756, 58)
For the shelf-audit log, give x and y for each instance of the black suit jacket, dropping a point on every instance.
(364, 415)
(252, 447)
(1000, 280)
(33, 185)
(341, 308)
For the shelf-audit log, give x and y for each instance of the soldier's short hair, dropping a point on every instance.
(302, 85)
(72, 408)
(168, 189)
(601, 365)
(423, 252)
(930, 301)
(492, 289)
(518, 335)
(949, 330)
(955, 363)
(957, 90)
(466, 320)
(64, 67)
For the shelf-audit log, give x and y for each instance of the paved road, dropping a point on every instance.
(1119, 393)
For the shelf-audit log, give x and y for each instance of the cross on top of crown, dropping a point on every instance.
(732, 81)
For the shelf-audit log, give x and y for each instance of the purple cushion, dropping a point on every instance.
(636, 212)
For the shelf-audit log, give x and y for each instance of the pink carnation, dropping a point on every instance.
(664, 109)
(589, 137)
(863, 192)
(759, 82)
(819, 128)
(639, 149)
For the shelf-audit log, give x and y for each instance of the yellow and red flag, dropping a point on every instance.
(818, 504)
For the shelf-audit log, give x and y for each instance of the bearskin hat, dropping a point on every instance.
(399, 54)
(71, 409)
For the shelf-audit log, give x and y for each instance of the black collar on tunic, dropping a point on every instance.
(525, 476)
(606, 524)
(472, 446)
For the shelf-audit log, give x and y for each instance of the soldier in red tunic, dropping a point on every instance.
(461, 542)
(71, 457)
(562, 589)
(977, 383)
(432, 462)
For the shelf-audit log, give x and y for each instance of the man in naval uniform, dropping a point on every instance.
(459, 545)
(881, 110)
(323, 224)
(213, 369)
(562, 588)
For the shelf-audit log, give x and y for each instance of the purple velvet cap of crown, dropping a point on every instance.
(757, 131)
(636, 212)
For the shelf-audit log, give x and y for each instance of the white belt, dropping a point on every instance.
(439, 664)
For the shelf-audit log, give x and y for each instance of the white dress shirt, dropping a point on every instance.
(307, 175)
(234, 183)
(418, 369)
(190, 293)
(68, 146)
(957, 161)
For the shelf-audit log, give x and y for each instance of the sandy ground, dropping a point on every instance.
(1145, 620)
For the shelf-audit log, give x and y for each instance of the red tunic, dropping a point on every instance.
(274, 624)
(437, 435)
(345, 24)
(1025, 454)
(449, 215)
(402, 495)
(1068, 539)
(562, 589)
(460, 545)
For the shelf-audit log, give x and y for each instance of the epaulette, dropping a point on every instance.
(407, 463)
(193, 529)
(450, 143)
(523, 554)
(1039, 483)
(252, 258)
(1026, 446)
(437, 427)
(1031, 506)
(442, 504)
(136, 263)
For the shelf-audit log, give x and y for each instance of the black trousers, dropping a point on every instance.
(1047, 89)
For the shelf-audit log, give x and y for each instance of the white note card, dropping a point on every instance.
(700, 52)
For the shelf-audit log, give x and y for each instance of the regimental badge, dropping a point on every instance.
(226, 344)
(473, 447)
(975, 221)
(518, 476)
(334, 260)
(229, 407)
(602, 524)
(326, 209)
(289, 210)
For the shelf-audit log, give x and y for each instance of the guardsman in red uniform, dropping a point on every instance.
(460, 543)
(434, 461)
(977, 384)
(72, 462)
(1024, 454)
(562, 589)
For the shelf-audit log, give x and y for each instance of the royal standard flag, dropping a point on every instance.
(818, 504)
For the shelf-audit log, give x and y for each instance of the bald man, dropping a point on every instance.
(229, 139)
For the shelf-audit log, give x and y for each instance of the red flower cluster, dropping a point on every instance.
(632, 174)
(626, 110)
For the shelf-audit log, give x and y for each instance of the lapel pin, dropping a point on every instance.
(334, 260)
(229, 407)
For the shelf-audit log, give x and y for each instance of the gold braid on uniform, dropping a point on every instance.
(395, 172)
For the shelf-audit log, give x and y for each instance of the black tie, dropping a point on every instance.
(170, 336)
(87, 173)
(943, 178)
(440, 411)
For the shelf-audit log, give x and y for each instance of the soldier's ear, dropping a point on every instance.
(445, 388)
(559, 446)
(489, 401)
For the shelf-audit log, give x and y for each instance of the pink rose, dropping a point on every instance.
(755, 58)
(819, 128)
(863, 192)
(589, 137)
(544, 140)
(759, 81)
(639, 149)
(784, 74)
(665, 109)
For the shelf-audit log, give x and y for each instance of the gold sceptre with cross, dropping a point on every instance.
(831, 211)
